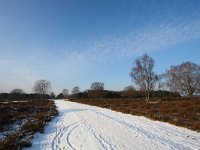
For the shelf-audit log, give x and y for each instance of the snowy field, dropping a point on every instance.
(86, 127)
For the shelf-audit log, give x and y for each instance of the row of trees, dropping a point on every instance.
(97, 91)
(41, 90)
(22, 96)
(184, 78)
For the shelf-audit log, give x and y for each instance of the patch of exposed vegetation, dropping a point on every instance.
(20, 120)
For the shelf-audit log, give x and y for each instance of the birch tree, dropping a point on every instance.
(143, 75)
(42, 87)
(184, 78)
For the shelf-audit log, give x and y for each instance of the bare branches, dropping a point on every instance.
(42, 87)
(65, 93)
(142, 74)
(17, 91)
(76, 90)
(97, 86)
(184, 78)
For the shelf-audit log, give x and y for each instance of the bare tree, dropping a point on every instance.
(17, 91)
(143, 76)
(76, 90)
(129, 88)
(184, 78)
(42, 87)
(128, 91)
(97, 89)
(65, 93)
(16, 94)
(97, 86)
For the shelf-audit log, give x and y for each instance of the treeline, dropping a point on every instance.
(183, 79)
(22, 96)
(122, 94)
(97, 91)
(89, 94)
(41, 91)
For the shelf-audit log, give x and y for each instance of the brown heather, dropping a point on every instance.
(32, 116)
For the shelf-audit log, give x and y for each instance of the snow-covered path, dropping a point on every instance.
(86, 127)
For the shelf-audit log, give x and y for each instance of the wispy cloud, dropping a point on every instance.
(154, 36)
(159, 36)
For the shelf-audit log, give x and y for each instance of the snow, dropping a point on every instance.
(80, 126)
(3, 102)
(19, 101)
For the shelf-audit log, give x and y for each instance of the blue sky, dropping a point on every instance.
(76, 42)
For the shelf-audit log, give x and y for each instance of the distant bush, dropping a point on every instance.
(3, 96)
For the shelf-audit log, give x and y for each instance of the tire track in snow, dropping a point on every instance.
(64, 131)
(57, 133)
(68, 135)
(103, 141)
(145, 133)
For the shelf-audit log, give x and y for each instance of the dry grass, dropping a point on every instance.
(30, 117)
(184, 112)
